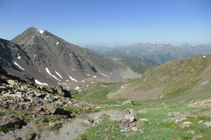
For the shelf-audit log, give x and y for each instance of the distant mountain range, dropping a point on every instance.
(161, 53)
(51, 60)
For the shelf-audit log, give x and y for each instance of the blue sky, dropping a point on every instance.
(111, 22)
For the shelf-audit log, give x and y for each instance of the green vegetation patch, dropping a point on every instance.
(98, 95)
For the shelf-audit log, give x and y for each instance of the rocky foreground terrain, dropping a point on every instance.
(29, 111)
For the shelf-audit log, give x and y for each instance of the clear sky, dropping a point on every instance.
(111, 22)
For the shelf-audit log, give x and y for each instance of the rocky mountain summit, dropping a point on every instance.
(47, 59)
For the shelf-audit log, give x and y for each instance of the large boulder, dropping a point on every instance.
(63, 92)
(51, 107)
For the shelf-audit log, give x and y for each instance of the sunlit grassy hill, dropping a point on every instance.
(177, 76)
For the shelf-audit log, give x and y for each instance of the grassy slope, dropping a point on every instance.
(176, 76)
(137, 64)
(161, 125)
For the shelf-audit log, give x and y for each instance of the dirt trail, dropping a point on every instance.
(70, 130)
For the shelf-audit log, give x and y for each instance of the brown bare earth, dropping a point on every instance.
(128, 92)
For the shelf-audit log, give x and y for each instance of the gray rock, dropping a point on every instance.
(179, 120)
(196, 137)
(12, 82)
(134, 129)
(127, 102)
(173, 113)
(52, 124)
(87, 123)
(208, 124)
(130, 111)
(97, 120)
(50, 107)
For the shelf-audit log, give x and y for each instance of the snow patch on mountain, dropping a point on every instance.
(72, 78)
(95, 76)
(58, 74)
(39, 83)
(77, 88)
(104, 74)
(41, 31)
(73, 69)
(19, 57)
(57, 42)
(17, 64)
(47, 70)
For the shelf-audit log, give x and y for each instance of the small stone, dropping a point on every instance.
(96, 120)
(191, 131)
(86, 123)
(179, 120)
(200, 121)
(208, 124)
(52, 124)
(130, 111)
(134, 129)
(145, 120)
(127, 102)
(196, 137)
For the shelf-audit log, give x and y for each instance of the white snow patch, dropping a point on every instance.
(104, 74)
(41, 31)
(87, 74)
(92, 82)
(19, 57)
(72, 78)
(77, 88)
(204, 56)
(39, 83)
(58, 74)
(17, 64)
(73, 69)
(95, 76)
(66, 80)
(39, 70)
(57, 42)
(82, 80)
(64, 84)
(87, 85)
(47, 70)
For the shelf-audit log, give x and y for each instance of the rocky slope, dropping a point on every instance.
(29, 111)
(22, 103)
